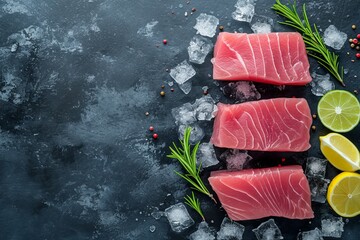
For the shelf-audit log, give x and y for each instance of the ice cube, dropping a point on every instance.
(14, 47)
(202, 233)
(235, 159)
(205, 108)
(310, 235)
(334, 38)
(184, 114)
(206, 155)
(186, 87)
(261, 24)
(157, 214)
(198, 49)
(321, 84)
(206, 25)
(315, 167)
(241, 91)
(182, 72)
(268, 230)
(178, 217)
(152, 228)
(245, 10)
(332, 226)
(318, 188)
(230, 230)
(196, 133)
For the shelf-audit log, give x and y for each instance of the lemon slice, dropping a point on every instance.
(340, 152)
(344, 194)
(339, 110)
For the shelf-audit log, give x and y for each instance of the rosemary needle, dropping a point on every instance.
(314, 43)
(194, 203)
(187, 159)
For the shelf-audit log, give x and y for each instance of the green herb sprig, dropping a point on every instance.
(314, 43)
(194, 203)
(187, 159)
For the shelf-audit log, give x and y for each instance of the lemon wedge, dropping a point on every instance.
(344, 194)
(340, 152)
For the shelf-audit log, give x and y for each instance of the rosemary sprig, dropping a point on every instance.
(314, 43)
(194, 203)
(187, 159)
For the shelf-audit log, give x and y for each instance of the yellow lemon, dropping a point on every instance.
(340, 152)
(344, 194)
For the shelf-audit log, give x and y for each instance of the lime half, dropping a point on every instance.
(339, 110)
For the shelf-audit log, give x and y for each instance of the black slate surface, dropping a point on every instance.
(76, 158)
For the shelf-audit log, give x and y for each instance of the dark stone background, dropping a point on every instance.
(76, 158)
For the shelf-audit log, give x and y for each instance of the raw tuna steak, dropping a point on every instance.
(257, 193)
(275, 58)
(279, 124)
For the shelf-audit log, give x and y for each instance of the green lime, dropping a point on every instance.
(339, 110)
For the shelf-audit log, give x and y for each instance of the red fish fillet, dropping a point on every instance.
(279, 124)
(274, 58)
(257, 193)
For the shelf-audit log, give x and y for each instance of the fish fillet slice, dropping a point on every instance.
(257, 193)
(279, 124)
(273, 58)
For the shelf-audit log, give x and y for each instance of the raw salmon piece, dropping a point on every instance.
(279, 124)
(274, 58)
(257, 193)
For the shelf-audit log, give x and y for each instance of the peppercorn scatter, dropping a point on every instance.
(355, 43)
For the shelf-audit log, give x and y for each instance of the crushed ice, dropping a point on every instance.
(230, 230)
(182, 74)
(178, 217)
(318, 188)
(315, 167)
(311, 235)
(206, 25)
(261, 24)
(203, 109)
(334, 38)
(332, 226)
(206, 155)
(198, 49)
(315, 171)
(202, 233)
(197, 133)
(321, 84)
(245, 10)
(157, 214)
(268, 230)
